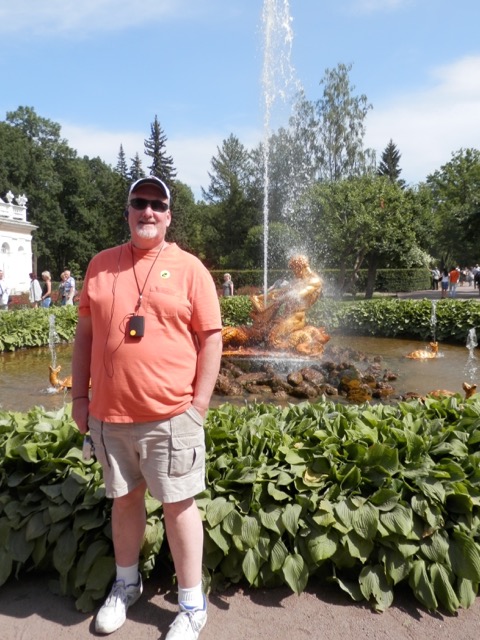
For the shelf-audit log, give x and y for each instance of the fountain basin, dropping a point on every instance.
(24, 381)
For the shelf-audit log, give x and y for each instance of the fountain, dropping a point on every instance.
(432, 351)
(56, 384)
(279, 319)
(278, 337)
(53, 340)
(471, 367)
(279, 341)
(278, 80)
(424, 354)
(433, 321)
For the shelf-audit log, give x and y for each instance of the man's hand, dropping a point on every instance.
(80, 413)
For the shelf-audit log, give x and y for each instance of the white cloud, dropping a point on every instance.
(93, 142)
(429, 125)
(80, 16)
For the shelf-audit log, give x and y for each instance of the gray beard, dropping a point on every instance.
(147, 233)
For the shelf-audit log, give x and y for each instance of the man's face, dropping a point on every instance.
(148, 227)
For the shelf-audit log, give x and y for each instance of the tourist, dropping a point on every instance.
(227, 285)
(477, 280)
(68, 288)
(4, 293)
(453, 278)
(61, 289)
(444, 281)
(35, 291)
(470, 276)
(46, 299)
(436, 277)
(149, 337)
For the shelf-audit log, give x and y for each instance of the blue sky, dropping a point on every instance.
(104, 68)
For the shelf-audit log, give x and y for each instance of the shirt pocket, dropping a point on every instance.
(166, 303)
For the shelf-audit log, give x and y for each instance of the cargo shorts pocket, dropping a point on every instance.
(187, 452)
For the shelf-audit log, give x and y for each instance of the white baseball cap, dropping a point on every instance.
(153, 180)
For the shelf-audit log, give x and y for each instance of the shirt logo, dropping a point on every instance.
(165, 274)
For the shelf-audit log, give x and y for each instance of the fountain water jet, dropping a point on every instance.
(278, 80)
(471, 367)
(433, 320)
(53, 340)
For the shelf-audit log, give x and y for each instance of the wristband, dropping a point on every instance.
(80, 398)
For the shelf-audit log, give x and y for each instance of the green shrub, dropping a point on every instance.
(400, 318)
(392, 280)
(368, 497)
(31, 327)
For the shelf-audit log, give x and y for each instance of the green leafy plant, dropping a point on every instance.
(31, 327)
(53, 509)
(367, 497)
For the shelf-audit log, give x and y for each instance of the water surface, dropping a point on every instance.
(24, 381)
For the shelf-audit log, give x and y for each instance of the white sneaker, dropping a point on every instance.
(188, 624)
(113, 612)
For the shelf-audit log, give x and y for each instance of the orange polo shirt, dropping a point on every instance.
(149, 378)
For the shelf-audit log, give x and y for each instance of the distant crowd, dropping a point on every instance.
(40, 293)
(448, 280)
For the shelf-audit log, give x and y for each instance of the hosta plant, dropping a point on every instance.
(366, 497)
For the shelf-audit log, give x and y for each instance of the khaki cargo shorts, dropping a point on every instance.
(168, 455)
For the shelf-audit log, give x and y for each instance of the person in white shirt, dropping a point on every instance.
(35, 293)
(4, 293)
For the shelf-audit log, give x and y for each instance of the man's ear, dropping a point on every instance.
(125, 214)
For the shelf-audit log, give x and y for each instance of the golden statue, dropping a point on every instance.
(55, 382)
(279, 317)
(424, 354)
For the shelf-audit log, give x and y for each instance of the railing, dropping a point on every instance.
(11, 211)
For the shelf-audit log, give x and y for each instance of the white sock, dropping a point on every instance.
(192, 598)
(128, 574)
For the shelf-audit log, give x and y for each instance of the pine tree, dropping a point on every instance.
(388, 166)
(122, 168)
(155, 147)
(136, 169)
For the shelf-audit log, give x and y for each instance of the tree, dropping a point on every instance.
(122, 168)
(389, 165)
(44, 150)
(232, 209)
(185, 228)
(362, 220)
(455, 191)
(136, 171)
(340, 127)
(77, 203)
(155, 147)
(92, 201)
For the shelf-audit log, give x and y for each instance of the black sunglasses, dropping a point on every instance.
(139, 204)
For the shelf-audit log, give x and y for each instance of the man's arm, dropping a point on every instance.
(81, 372)
(208, 366)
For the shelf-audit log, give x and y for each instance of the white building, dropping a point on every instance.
(15, 242)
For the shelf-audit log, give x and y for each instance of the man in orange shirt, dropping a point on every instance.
(149, 337)
(453, 278)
